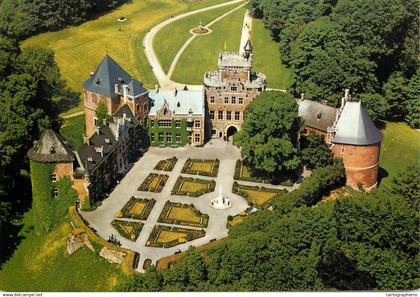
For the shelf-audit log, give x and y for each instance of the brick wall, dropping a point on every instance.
(361, 163)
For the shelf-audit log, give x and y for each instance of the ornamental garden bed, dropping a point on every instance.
(234, 220)
(193, 187)
(244, 172)
(256, 195)
(129, 230)
(182, 214)
(153, 183)
(137, 208)
(166, 165)
(201, 167)
(166, 237)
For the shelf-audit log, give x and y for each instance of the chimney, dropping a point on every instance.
(116, 89)
(125, 93)
(100, 150)
(86, 140)
(302, 96)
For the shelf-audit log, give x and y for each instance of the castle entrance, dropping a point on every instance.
(230, 131)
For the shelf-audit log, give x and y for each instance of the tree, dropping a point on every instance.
(413, 104)
(395, 91)
(268, 137)
(101, 113)
(375, 105)
(315, 152)
(408, 184)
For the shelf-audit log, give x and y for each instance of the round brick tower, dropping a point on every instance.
(357, 141)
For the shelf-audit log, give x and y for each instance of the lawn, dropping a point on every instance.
(137, 208)
(167, 236)
(205, 167)
(41, 263)
(183, 214)
(188, 186)
(400, 148)
(78, 50)
(153, 183)
(204, 50)
(256, 195)
(266, 57)
(166, 165)
(171, 38)
(73, 130)
(129, 230)
(259, 197)
(201, 167)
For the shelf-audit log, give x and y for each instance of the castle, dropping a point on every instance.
(190, 117)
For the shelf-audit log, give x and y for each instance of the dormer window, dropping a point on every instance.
(178, 104)
(106, 140)
(98, 81)
(319, 115)
(52, 150)
(165, 111)
(55, 192)
(90, 159)
(53, 177)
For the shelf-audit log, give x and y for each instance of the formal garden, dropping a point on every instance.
(235, 220)
(166, 237)
(256, 195)
(201, 167)
(166, 165)
(244, 172)
(137, 208)
(192, 187)
(153, 183)
(129, 230)
(183, 214)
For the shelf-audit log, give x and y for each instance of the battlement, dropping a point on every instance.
(234, 59)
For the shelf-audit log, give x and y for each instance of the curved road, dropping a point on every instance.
(164, 81)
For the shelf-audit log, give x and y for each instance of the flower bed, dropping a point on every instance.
(129, 230)
(182, 214)
(153, 183)
(201, 167)
(166, 237)
(192, 187)
(166, 165)
(137, 208)
(256, 195)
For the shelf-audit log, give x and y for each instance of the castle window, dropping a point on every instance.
(220, 115)
(234, 88)
(342, 150)
(212, 99)
(95, 122)
(241, 100)
(228, 115)
(213, 132)
(226, 100)
(233, 100)
(152, 123)
(145, 107)
(196, 124)
(53, 177)
(237, 115)
(137, 108)
(177, 124)
(211, 114)
(55, 192)
(152, 137)
(197, 138)
(160, 136)
(168, 137)
(165, 123)
(178, 137)
(52, 150)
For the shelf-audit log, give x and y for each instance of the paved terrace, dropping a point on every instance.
(101, 218)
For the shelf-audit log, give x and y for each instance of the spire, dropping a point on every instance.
(248, 49)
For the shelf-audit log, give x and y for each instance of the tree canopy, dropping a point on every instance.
(268, 137)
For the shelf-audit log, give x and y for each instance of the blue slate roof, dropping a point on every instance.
(109, 73)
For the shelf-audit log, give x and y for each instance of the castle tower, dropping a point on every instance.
(229, 91)
(111, 85)
(357, 141)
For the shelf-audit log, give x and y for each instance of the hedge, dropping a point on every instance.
(154, 235)
(163, 217)
(117, 224)
(145, 185)
(187, 167)
(161, 165)
(236, 189)
(177, 191)
(150, 203)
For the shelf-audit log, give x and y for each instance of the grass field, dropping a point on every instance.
(137, 208)
(78, 50)
(73, 130)
(202, 53)
(41, 263)
(400, 148)
(266, 56)
(259, 197)
(171, 38)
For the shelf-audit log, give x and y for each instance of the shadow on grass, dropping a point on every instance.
(382, 173)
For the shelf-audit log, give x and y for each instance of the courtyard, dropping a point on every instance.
(157, 224)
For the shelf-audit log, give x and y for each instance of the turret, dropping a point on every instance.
(248, 49)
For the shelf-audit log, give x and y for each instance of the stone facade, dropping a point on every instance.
(229, 91)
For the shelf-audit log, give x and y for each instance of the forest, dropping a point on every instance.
(370, 47)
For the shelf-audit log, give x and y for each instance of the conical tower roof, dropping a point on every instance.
(248, 46)
(51, 148)
(355, 127)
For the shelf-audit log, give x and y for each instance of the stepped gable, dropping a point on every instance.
(51, 148)
(355, 127)
(109, 73)
(316, 115)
